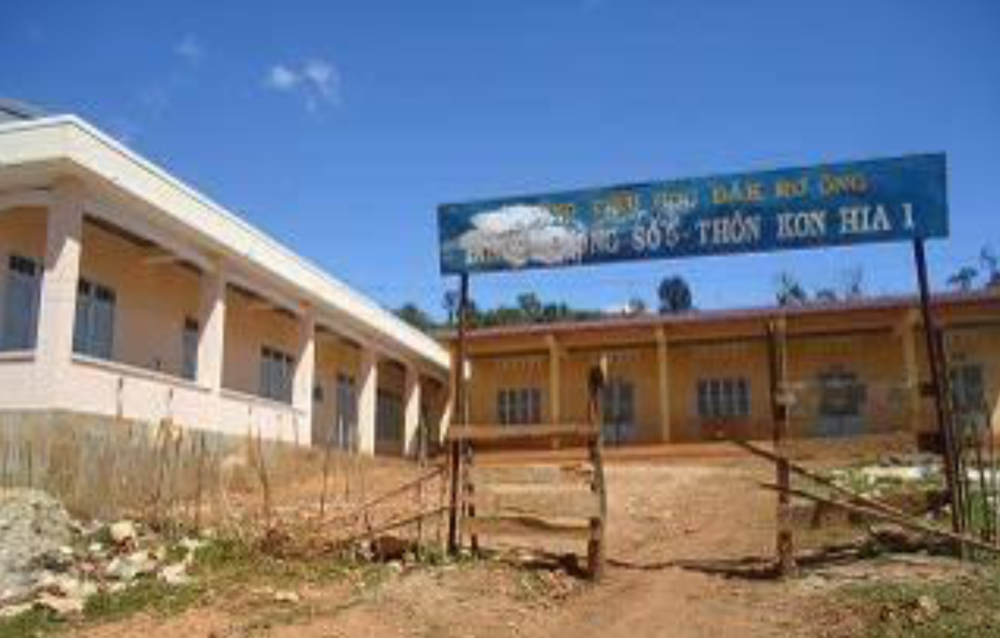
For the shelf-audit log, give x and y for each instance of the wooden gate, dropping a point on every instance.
(508, 495)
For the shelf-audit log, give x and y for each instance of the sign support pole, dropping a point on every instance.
(458, 414)
(938, 387)
(777, 357)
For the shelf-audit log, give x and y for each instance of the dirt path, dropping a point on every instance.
(668, 524)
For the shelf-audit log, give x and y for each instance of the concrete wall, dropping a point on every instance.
(980, 346)
(691, 362)
(489, 376)
(249, 327)
(333, 357)
(876, 358)
(152, 300)
(870, 344)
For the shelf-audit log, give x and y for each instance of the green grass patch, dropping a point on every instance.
(36, 622)
(147, 596)
(957, 608)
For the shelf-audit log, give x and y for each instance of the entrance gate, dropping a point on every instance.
(565, 502)
(901, 199)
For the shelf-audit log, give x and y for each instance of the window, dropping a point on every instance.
(347, 413)
(388, 417)
(189, 349)
(276, 373)
(20, 320)
(93, 332)
(968, 390)
(618, 408)
(725, 398)
(841, 394)
(519, 406)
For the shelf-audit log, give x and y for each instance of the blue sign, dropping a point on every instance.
(830, 205)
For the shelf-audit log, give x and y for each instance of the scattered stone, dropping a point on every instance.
(15, 610)
(33, 528)
(62, 607)
(175, 574)
(286, 597)
(130, 567)
(123, 533)
(926, 609)
(191, 545)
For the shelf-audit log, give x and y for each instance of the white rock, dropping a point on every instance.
(289, 597)
(175, 574)
(60, 606)
(129, 567)
(123, 532)
(15, 610)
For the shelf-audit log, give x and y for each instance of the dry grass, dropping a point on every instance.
(293, 499)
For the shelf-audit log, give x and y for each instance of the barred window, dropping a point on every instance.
(842, 394)
(276, 373)
(189, 349)
(724, 398)
(21, 298)
(519, 406)
(388, 417)
(94, 329)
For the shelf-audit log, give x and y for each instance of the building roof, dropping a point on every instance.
(68, 145)
(707, 317)
(15, 110)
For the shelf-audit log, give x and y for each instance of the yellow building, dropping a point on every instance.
(852, 368)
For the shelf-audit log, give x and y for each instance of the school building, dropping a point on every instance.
(851, 368)
(127, 295)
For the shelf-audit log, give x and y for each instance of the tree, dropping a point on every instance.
(790, 292)
(826, 295)
(991, 266)
(964, 280)
(853, 280)
(675, 295)
(530, 305)
(413, 315)
(635, 306)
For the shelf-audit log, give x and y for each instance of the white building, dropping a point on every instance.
(127, 294)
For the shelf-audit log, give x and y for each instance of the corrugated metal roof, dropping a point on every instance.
(897, 302)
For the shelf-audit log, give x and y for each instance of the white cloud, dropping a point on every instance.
(281, 78)
(190, 49)
(315, 81)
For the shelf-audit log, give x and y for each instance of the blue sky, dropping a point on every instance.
(339, 126)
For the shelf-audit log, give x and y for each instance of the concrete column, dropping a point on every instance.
(445, 421)
(367, 400)
(57, 307)
(911, 369)
(411, 412)
(305, 376)
(555, 380)
(663, 377)
(212, 321)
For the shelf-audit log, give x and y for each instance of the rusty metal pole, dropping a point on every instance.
(458, 415)
(784, 542)
(936, 387)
